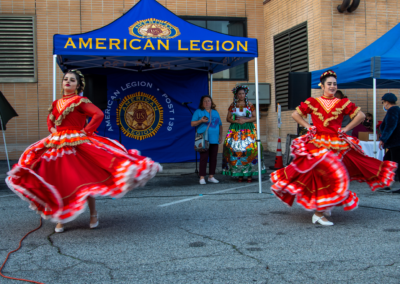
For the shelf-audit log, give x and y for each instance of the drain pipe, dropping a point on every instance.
(353, 6)
(342, 8)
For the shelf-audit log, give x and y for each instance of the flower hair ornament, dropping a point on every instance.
(235, 90)
(246, 89)
(327, 74)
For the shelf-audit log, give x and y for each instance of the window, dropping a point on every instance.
(229, 26)
(17, 49)
(290, 55)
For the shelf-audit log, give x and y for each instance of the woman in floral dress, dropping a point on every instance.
(240, 152)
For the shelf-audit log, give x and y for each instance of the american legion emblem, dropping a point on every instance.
(140, 116)
(153, 28)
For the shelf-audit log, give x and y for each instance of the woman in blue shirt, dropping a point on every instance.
(201, 120)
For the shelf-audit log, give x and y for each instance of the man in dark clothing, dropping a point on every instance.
(390, 131)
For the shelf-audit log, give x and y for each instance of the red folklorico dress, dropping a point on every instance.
(326, 160)
(57, 174)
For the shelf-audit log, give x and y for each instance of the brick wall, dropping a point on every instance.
(332, 38)
(31, 100)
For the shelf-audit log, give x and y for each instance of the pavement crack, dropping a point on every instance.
(378, 265)
(36, 247)
(184, 258)
(79, 259)
(59, 249)
(235, 248)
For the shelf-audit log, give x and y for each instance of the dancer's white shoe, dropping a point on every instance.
(318, 219)
(58, 229)
(94, 225)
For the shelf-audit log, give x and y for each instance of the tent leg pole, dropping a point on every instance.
(5, 144)
(211, 93)
(374, 101)
(258, 126)
(54, 76)
(211, 83)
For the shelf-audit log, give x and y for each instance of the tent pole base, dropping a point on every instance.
(5, 144)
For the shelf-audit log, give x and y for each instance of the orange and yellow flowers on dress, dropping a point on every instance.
(240, 152)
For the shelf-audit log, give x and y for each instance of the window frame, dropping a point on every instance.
(277, 36)
(216, 18)
(33, 79)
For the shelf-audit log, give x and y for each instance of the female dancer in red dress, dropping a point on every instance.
(59, 173)
(326, 159)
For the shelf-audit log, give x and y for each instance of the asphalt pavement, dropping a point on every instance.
(174, 230)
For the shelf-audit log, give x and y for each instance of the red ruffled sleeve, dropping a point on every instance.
(350, 109)
(230, 109)
(95, 113)
(303, 108)
(50, 123)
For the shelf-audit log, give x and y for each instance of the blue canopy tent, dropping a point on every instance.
(377, 67)
(150, 37)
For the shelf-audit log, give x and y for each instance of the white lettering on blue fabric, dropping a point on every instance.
(172, 110)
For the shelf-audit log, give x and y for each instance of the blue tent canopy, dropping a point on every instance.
(380, 60)
(150, 37)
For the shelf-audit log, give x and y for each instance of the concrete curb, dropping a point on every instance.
(169, 169)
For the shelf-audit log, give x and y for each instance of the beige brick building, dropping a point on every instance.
(332, 38)
(31, 100)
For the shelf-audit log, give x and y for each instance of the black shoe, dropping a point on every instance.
(396, 191)
(385, 189)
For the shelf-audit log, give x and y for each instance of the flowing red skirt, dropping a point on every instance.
(319, 178)
(57, 174)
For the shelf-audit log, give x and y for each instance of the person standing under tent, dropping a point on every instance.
(240, 151)
(390, 132)
(206, 118)
(326, 159)
(346, 118)
(365, 126)
(59, 173)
